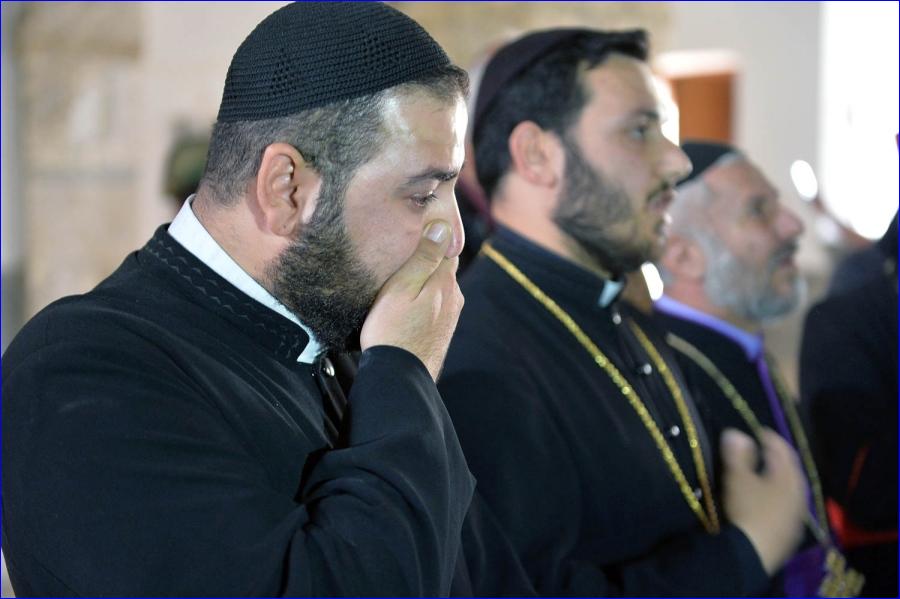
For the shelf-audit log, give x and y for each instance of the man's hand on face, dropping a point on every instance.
(768, 506)
(418, 306)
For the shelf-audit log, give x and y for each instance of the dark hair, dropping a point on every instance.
(336, 139)
(547, 93)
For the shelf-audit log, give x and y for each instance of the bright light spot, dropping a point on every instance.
(804, 179)
(858, 166)
(668, 109)
(654, 282)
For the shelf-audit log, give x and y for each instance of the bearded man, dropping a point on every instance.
(571, 410)
(186, 428)
(728, 269)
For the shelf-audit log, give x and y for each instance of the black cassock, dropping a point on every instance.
(560, 456)
(718, 412)
(730, 359)
(160, 438)
(848, 381)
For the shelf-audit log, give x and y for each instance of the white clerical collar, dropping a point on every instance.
(188, 231)
(611, 290)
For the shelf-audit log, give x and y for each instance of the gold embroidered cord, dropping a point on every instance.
(839, 581)
(809, 464)
(737, 401)
(818, 527)
(709, 519)
(690, 429)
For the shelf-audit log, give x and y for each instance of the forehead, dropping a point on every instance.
(738, 181)
(419, 126)
(420, 134)
(736, 187)
(620, 87)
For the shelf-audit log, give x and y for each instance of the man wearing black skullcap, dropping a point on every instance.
(728, 269)
(571, 410)
(183, 428)
(848, 382)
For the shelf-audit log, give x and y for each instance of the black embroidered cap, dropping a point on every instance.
(309, 54)
(704, 154)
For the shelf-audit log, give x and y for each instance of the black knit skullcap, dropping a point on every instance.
(521, 54)
(511, 60)
(309, 54)
(704, 154)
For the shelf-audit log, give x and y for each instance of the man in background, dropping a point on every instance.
(728, 269)
(572, 412)
(848, 381)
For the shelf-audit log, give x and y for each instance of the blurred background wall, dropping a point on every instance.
(94, 95)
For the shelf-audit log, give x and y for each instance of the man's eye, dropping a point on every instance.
(422, 201)
(759, 209)
(640, 132)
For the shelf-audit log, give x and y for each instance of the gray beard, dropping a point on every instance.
(749, 294)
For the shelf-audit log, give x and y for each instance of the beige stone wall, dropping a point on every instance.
(103, 90)
(78, 122)
(185, 53)
(465, 29)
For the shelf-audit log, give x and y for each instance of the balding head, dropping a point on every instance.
(688, 212)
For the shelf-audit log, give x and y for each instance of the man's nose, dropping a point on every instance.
(676, 164)
(790, 225)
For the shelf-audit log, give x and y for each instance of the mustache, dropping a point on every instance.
(662, 188)
(784, 251)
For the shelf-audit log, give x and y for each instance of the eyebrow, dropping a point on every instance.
(760, 199)
(650, 114)
(432, 174)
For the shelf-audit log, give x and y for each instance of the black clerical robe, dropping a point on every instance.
(160, 438)
(718, 413)
(848, 380)
(730, 359)
(561, 457)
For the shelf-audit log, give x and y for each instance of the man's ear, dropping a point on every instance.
(287, 189)
(536, 155)
(684, 258)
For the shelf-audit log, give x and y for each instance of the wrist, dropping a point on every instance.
(771, 552)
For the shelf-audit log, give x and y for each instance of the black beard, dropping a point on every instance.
(587, 208)
(319, 279)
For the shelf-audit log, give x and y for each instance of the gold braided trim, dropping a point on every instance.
(790, 408)
(839, 580)
(710, 520)
(817, 525)
(690, 428)
(736, 399)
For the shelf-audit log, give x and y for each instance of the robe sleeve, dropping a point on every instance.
(853, 404)
(120, 478)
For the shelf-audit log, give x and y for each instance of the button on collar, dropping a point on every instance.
(327, 367)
